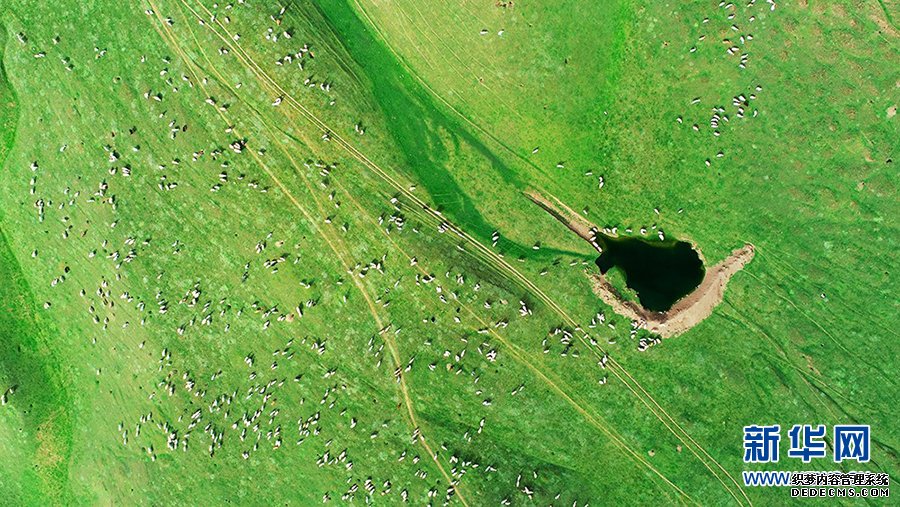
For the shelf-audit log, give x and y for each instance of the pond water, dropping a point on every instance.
(660, 272)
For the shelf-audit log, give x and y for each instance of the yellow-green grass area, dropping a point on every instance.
(806, 331)
(199, 194)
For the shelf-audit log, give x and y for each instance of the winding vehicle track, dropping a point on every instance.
(339, 250)
(499, 262)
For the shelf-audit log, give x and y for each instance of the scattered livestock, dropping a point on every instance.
(241, 414)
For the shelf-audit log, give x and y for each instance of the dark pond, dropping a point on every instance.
(660, 272)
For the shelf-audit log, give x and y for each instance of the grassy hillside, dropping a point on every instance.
(257, 255)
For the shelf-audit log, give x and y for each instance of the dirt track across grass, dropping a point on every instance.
(686, 313)
(580, 226)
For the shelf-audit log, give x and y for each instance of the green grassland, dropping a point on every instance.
(196, 198)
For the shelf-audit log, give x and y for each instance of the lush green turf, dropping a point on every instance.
(183, 284)
(36, 434)
(8, 109)
(35, 428)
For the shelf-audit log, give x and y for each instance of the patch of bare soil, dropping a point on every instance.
(880, 18)
(686, 313)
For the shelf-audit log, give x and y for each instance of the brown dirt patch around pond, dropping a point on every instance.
(689, 310)
(686, 313)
